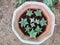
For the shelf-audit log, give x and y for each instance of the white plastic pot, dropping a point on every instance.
(42, 39)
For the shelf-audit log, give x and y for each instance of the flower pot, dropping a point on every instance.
(47, 13)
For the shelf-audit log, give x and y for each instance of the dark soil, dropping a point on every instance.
(33, 16)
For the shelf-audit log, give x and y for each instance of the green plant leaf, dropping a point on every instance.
(48, 2)
(52, 8)
(29, 13)
(33, 0)
(27, 29)
(38, 13)
(43, 22)
(23, 22)
(38, 29)
(32, 34)
(54, 1)
(20, 2)
(37, 21)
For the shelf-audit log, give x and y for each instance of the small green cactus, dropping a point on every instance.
(50, 3)
(37, 21)
(32, 20)
(29, 13)
(43, 22)
(38, 29)
(20, 2)
(23, 22)
(27, 29)
(38, 13)
(32, 25)
(32, 34)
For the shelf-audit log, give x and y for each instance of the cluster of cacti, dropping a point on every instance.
(49, 3)
(29, 27)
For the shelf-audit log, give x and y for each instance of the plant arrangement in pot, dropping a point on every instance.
(33, 22)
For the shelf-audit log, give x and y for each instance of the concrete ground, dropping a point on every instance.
(7, 37)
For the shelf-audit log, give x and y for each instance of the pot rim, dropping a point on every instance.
(30, 42)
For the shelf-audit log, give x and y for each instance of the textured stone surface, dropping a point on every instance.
(7, 37)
